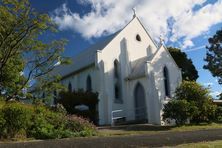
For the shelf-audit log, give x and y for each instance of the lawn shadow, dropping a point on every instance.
(139, 127)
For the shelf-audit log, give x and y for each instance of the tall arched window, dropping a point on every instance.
(70, 87)
(166, 81)
(117, 81)
(116, 69)
(54, 97)
(88, 83)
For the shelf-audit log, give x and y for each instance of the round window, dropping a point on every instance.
(138, 38)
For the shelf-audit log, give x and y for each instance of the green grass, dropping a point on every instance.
(213, 144)
(149, 129)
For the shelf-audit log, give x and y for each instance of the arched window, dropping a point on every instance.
(117, 81)
(116, 69)
(117, 95)
(166, 81)
(43, 95)
(70, 87)
(88, 84)
(54, 97)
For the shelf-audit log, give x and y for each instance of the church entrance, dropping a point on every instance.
(140, 104)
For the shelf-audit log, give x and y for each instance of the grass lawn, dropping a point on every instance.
(151, 129)
(213, 144)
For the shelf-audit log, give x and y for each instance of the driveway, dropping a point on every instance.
(146, 140)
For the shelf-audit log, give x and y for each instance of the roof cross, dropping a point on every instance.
(161, 40)
(134, 12)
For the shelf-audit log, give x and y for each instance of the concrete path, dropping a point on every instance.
(147, 140)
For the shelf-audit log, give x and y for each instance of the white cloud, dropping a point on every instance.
(194, 49)
(215, 94)
(172, 19)
(187, 43)
(208, 84)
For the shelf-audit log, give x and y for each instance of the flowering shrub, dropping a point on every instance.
(80, 126)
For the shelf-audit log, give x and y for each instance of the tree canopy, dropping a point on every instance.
(214, 56)
(24, 56)
(189, 71)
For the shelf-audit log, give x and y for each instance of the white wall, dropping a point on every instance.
(163, 58)
(125, 48)
(78, 80)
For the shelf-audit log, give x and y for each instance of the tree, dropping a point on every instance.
(189, 71)
(214, 56)
(22, 50)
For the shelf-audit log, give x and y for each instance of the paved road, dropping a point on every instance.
(148, 140)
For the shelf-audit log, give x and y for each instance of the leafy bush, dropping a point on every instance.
(201, 108)
(40, 122)
(2, 123)
(41, 127)
(80, 126)
(72, 99)
(16, 118)
(179, 110)
(218, 113)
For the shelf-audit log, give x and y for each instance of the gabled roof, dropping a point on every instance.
(84, 59)
(87, 57)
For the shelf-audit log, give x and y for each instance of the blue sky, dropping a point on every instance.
(186, 24)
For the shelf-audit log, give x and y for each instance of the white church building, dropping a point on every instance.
(132, 75)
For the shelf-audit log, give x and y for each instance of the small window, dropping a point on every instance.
(70, 87)
(55, 97)
(88, 84)
(117, 95)
(138, 38)
(43, 95)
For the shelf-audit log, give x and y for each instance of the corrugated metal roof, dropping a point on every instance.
(84, 59)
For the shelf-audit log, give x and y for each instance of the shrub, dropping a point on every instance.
(218, 113)
(72, 99)
(16, 118)
(40, 122)
(50, 125)
(46, 124)
(2, 123)
(179, 110)
(80, 126)
(201, 108)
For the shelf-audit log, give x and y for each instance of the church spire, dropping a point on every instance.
(134, 12)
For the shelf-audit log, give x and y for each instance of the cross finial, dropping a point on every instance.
(161, 40)
(134, 12)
